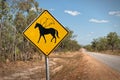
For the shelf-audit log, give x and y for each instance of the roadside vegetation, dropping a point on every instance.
(15, 16)
(108, 44)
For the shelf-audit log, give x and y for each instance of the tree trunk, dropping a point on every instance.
(0, 39)
(112, 48)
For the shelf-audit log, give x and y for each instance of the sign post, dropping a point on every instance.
(45, 33)
(47, 68)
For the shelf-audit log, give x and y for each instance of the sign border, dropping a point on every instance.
(35, 44)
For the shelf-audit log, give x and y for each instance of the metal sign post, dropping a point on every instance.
(47, 68)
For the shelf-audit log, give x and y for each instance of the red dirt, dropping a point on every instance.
(63, 66)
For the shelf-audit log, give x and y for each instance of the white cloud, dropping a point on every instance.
(90, 34)
(33, 9)
(73, 13)
(98, 21)
(51, 9)
(115, 13)
(116, 26)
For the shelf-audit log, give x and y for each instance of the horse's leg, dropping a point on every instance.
(52, 39)
(56, 32)
(44, 38)
(55, 39)
(39, 39)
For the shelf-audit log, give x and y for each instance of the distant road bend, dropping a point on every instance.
(110, 60)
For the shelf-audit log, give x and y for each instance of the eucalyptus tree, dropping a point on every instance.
(15, 15)
(5, 29)
(25, 11)
(112, 38)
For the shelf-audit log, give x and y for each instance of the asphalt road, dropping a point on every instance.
(110, 60)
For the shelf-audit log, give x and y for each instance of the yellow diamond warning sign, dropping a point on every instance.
(45, 32)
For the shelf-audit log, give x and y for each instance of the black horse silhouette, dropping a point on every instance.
(44, 31)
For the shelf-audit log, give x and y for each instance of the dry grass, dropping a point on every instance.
(63, 66)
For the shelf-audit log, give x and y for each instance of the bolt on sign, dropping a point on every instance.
(45, 32)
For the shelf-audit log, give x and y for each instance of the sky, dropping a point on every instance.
(88, 19)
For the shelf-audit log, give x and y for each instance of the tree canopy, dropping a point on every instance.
(109, 42)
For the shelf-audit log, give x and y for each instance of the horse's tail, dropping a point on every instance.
(56, 33)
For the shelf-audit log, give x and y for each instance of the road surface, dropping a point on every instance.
(111, 60)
